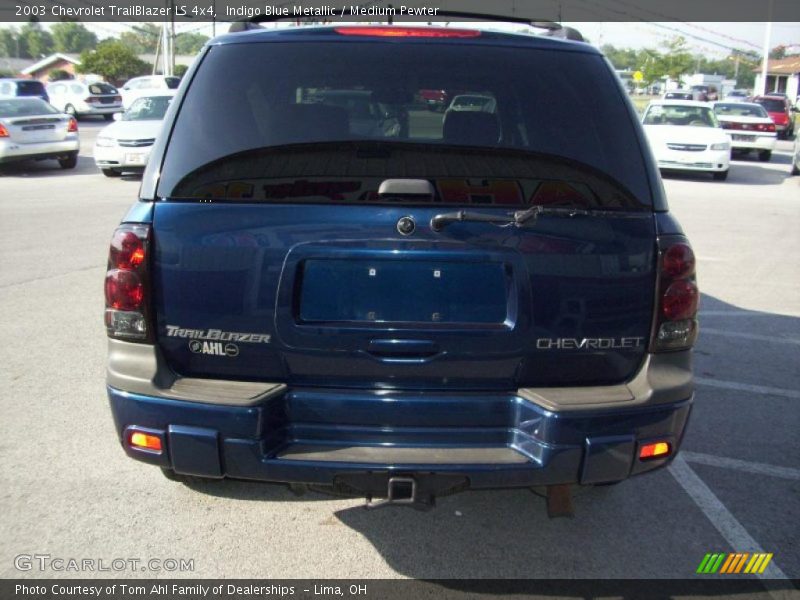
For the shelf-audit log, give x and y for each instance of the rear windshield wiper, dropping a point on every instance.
(516, 219)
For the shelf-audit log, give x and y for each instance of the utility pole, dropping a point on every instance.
(165, 51)
(765, 59)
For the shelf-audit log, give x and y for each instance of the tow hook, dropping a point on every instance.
(402, 491)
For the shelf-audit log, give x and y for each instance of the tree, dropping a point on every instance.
(38, 41)
(180, 70)
(114, 61)
(59, 75)
(9, 43)
(143, 39)
(72, 37)
(189, 43)
(778, 52)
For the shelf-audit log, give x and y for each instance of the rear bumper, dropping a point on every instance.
(322, 436)
(761, 142)
(12, 151)
(118, 157)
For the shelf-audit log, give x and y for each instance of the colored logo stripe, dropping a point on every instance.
(734, 562)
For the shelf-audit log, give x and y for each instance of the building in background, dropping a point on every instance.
(783, 75)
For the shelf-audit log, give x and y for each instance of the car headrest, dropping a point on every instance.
(470, 128)
(301, 123)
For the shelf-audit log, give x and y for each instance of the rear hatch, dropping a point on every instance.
(286, 250)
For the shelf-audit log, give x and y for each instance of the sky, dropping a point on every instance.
(712, 39)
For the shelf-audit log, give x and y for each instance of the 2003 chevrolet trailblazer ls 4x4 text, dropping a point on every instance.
(324, 282)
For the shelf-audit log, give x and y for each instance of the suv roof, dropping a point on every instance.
(330, 33)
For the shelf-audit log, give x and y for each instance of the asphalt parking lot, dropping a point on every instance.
(69, 490)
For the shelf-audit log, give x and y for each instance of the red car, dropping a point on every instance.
(780, 111)
(435, 99)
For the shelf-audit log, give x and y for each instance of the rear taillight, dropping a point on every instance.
(766, 127)
(72, 125)
(675, 323)
(126, 286)
(90, 99)
(3, 131)
(117, 98)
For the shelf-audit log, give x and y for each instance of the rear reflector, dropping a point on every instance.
(3, 131)
(145, 441)
(72, 125)
(424, 32)
(654, 450)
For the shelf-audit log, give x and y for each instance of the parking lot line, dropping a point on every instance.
(741, 465)
(721, 518)
(745, 313)
(746, 387)
(751, 336)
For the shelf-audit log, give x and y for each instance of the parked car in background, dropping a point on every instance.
(31, 129)
(679, 95)
(737, 96)
(705, 93)
(749, 127)
(686, 136)
(474, 103)
(434, 99)
(780, 111)
(81, 99)
(18, 88)
(150, 85)
(125, 145)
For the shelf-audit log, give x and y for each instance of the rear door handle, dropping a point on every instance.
(403, 349)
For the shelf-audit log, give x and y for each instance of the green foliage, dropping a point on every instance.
(675, 61)
(143, 39)
(37, 41)
(189, 43)
(180, 70)
(59, 75)
(8, 43)
(6, 73)
(114, 61)
(72, 37)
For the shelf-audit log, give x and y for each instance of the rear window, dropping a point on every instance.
(361, 113)
(30, 88)
(102, 88)
(680, 114)
(738, 109)
(772, 105)
(25, 107)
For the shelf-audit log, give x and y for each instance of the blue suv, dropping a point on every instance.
(324, 282)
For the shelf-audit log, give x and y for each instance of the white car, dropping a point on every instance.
(685, 135)
(31, 129)
(749, 127)
(151, 85)
(473, 103)
(125, 145)
(81, 99)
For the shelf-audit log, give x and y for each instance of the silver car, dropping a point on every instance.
(32, 129)
(81, 99)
